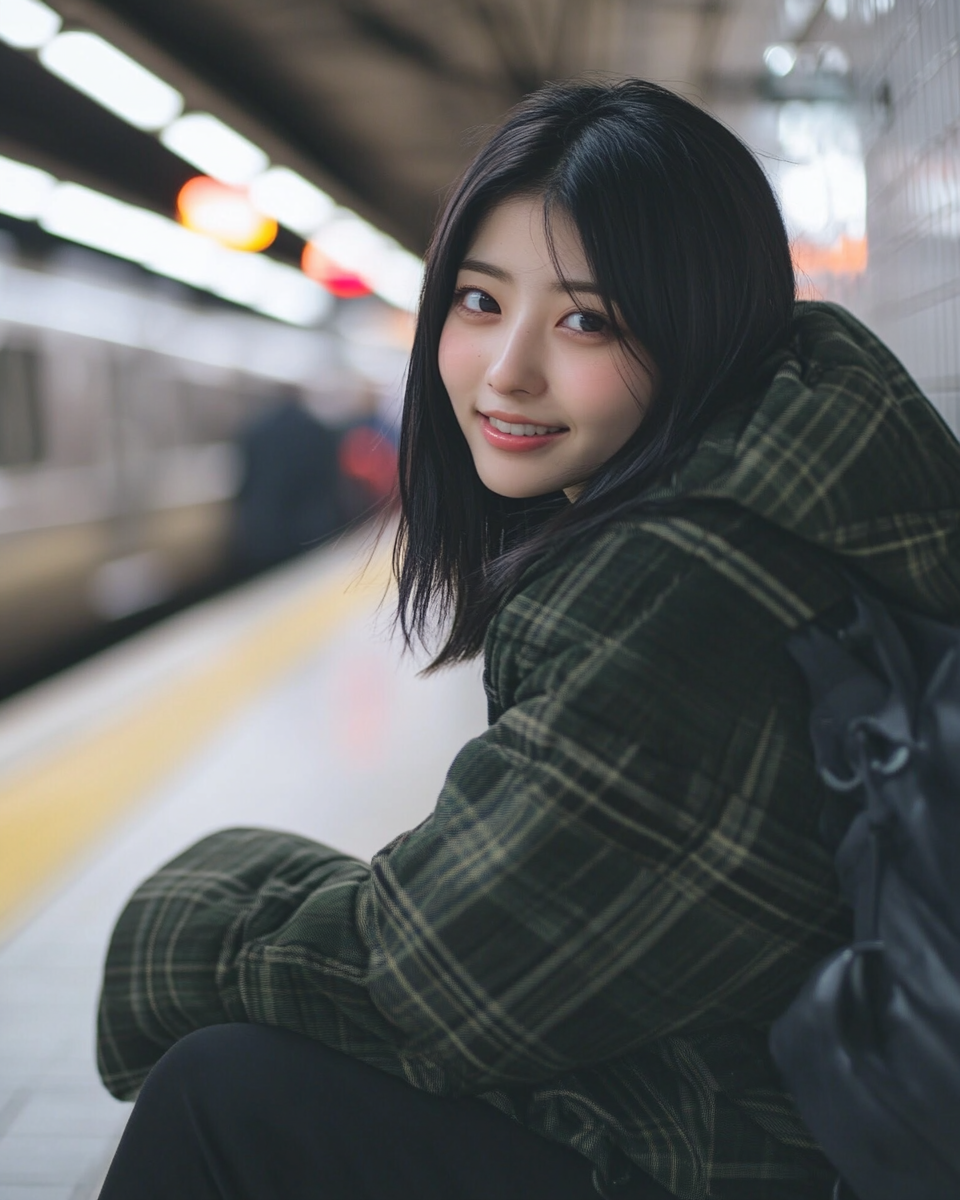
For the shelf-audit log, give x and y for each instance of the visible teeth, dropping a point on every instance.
(523, 430)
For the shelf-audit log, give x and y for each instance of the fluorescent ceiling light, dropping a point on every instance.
(392, 272)
(240, 277)
(823, 186)
(122, 85)
(825, 199)
(81, 215)
(180, 254)
(290, 296)
(27, 24)
(214, 148)
(269, 287)
(291, 200)
(399, 278)
(23, 190)
(352, 243)
(108, 76)
(780, 60)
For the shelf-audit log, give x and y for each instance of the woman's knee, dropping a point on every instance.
(203, 1049)
(177, 1140)
(208, 1065)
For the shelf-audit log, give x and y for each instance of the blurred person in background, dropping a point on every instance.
(631, 465)
(367, 456)
(289, 497)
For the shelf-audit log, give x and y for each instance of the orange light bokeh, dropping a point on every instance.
(846, 256)
(343, 284)
(225, 214)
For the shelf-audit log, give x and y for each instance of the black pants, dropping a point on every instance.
(243, 1112)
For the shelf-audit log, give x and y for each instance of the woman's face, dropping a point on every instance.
(543, 390)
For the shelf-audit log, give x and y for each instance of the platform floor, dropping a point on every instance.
(284, 704)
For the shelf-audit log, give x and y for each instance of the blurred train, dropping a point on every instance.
(122, 410)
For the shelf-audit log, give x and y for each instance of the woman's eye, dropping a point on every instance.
(476, 300)
(586, 322)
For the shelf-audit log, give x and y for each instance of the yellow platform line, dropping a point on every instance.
(51, 811)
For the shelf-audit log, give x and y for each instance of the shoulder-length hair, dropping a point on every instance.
(688, 249)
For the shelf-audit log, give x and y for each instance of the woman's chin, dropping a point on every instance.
(521, 486)
(511, 490)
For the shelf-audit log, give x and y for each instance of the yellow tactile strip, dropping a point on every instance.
(53, 810)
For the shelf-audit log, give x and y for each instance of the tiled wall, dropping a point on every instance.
(905, 56)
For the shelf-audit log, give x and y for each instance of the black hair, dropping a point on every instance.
(687, 247)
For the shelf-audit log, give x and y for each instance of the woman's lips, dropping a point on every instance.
(516, 441)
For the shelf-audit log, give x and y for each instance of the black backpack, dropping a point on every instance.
(870, 1048)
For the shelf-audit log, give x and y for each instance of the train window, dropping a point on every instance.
(21, 419)
(76, 402)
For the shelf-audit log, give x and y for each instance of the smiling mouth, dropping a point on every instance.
(519, 437)
(525, 430)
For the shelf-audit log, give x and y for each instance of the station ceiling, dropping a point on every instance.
(380, 102)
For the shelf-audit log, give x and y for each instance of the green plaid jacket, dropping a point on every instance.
(622, 883)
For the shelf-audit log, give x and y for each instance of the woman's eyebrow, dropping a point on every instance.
(575, 285)
(560, 285)
(485, 268)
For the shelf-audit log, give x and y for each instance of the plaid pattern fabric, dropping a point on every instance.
(622, 882)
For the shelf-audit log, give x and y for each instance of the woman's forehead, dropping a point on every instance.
(515, 236)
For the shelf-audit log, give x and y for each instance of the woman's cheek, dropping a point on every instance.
(606, 396)
(595, 392)
(457, 359)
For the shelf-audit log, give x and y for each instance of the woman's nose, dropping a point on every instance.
(517, 367)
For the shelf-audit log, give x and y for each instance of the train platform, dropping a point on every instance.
(284, 704)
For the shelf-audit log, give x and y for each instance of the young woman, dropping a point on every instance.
(631, 466)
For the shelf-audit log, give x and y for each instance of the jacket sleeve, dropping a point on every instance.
(627, 852)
